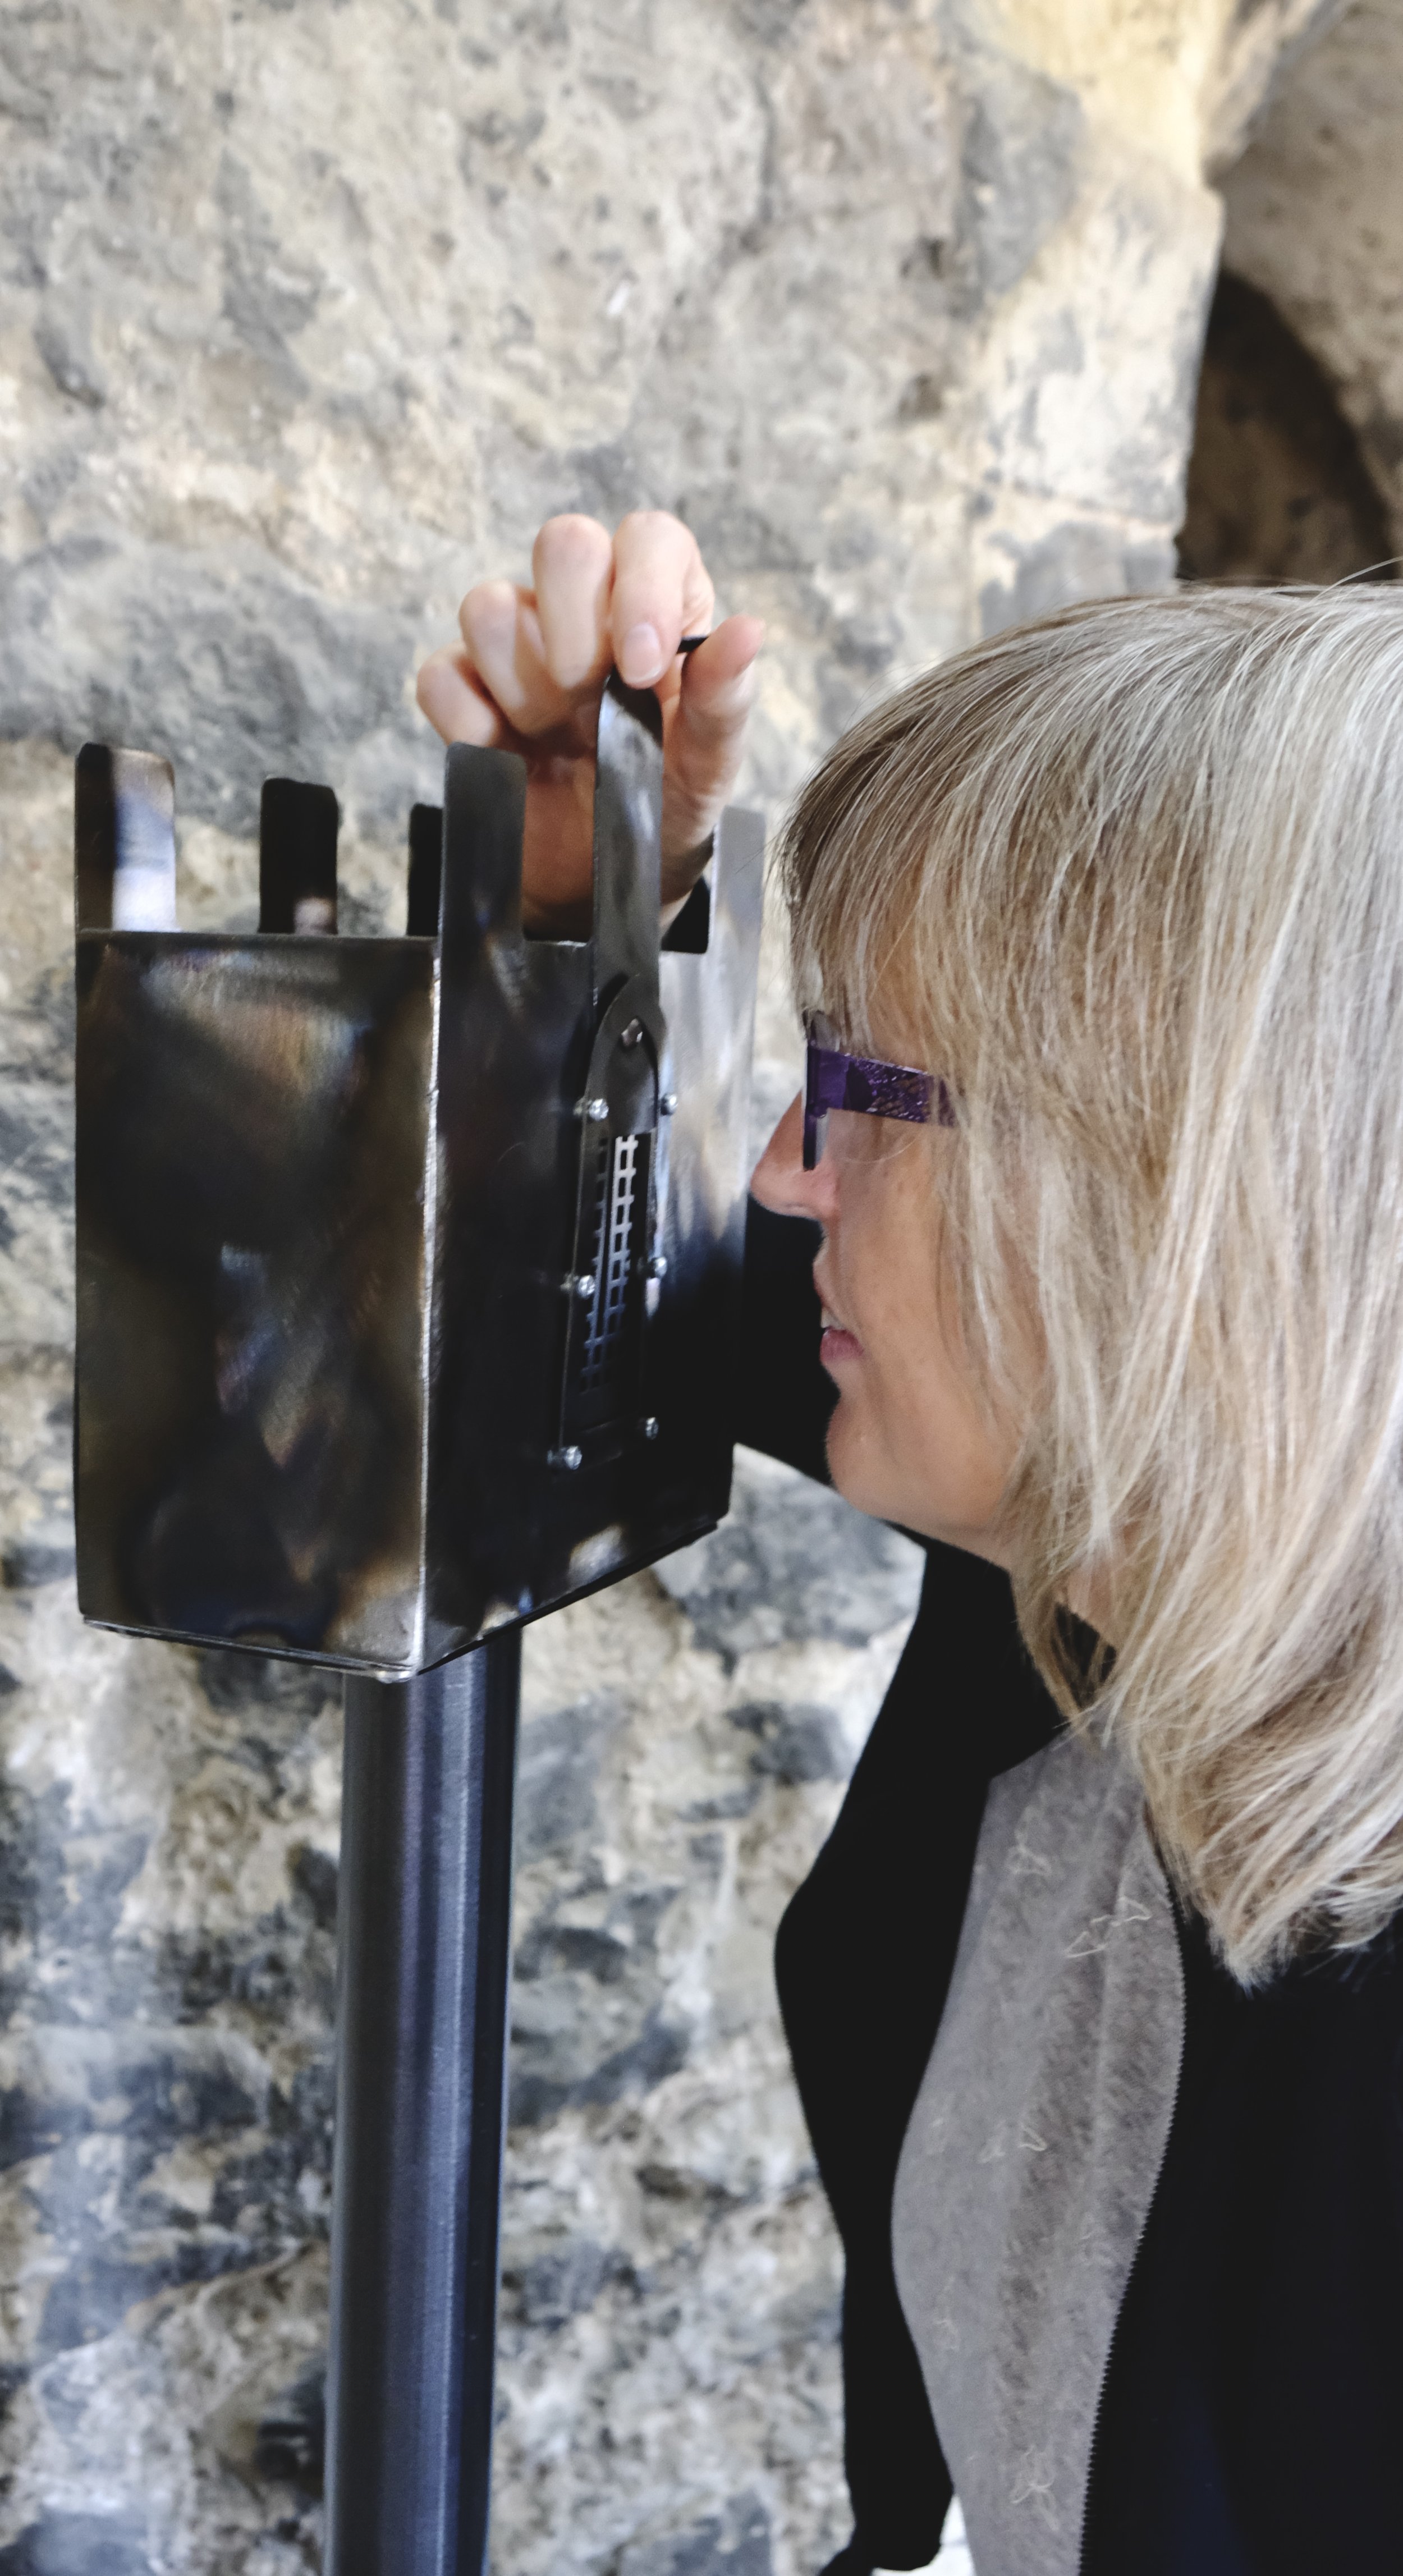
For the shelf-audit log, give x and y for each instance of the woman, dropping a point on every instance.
(1093, 1993)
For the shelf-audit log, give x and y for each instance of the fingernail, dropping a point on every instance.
(641, 656)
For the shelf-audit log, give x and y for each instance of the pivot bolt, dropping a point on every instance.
(569, 1458)
(582, 1284)
(657, 1265)
(630, 1036)
(650, 1426)
(597, 1110)
(667, 1103)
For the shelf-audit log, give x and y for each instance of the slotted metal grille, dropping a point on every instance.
(615, 1226)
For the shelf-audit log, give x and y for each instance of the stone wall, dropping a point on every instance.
(1278, 487)
(1315, 219)
(308, 316)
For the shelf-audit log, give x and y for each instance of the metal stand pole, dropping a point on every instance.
(424, 1959)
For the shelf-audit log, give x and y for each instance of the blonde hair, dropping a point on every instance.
(1131, 879)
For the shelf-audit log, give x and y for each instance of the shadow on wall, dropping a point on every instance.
(1277, 487)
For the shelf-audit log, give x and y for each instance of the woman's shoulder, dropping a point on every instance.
(1292, 2091)
(1333, 2022)
(1259, 2334)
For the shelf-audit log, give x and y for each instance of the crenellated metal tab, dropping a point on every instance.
(298, 826)
(124, 840)
(425, 871)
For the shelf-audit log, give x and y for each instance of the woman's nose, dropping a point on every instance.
(779, 1180)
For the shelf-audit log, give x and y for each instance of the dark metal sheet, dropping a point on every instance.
(252, 1132)
(298, 826)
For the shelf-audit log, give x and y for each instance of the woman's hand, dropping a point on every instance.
(530, 671)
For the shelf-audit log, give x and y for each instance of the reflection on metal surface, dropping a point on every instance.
(407, 1288)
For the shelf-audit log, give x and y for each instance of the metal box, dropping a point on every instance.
(408, 1268)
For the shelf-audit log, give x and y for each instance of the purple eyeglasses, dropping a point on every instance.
(835, 1080)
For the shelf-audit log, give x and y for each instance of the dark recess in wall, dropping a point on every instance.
(1277, 487)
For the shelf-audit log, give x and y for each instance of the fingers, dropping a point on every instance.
(705, 740)
(718, 680)
(502, 631)
(532, 662)
(662, 592)
(454, 700)
(572, 567)
(542, 654)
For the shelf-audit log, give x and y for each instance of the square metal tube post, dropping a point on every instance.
(423, 1979)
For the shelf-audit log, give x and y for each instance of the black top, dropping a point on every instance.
(1251, 2420)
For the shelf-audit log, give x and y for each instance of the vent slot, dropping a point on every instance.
(605, 1347)
(615, 1264)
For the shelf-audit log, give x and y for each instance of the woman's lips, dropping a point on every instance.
(837, 1344)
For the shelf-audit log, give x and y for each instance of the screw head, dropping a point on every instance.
(597, 1110)
(667, 1103)
(650, 1426)
(657, 1266)
(584, 1285)
(569, 1458)
(630, 1036)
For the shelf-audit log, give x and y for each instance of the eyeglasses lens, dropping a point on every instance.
(852, 1137)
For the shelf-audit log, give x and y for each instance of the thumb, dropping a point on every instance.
(706, 732)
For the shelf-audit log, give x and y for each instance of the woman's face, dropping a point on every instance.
(909, 1440)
